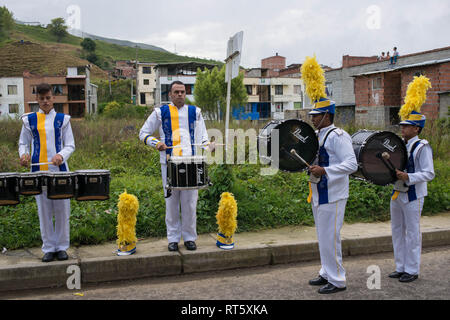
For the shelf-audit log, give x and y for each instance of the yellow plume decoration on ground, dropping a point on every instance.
(227, 214)
(313, 78)
(416, 94)
(126, 228)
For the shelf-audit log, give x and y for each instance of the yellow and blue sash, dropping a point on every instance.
(37, 126)
(171, 127)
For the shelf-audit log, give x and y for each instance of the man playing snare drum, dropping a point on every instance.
(180, 127)
(51, 139)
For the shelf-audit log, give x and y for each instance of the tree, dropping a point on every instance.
(88, 44)
(58, 28)
(211, 91)
(6, 22)
(92, 58)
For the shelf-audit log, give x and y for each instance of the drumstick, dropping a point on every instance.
(301, 159)
(386, 156)
(194, 145)
(43, 163)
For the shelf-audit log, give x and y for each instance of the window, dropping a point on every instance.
(146, 82)
(13, 108)
(146, 70)
(59, 107)
(143, 101)
(298, 89)
(394, 118)
(57, 89)
(329, 89)
(279, 107)
(376, 84)
(12, 90)
(34, 107)
(33, 90)
(249, 90)
(278, 90)
(189, 89)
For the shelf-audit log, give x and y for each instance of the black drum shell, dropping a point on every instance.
(92, 186)
(60, 186)
(367, 144)
(9, 190)
(187, 175)
(30, 184)
(293, 134)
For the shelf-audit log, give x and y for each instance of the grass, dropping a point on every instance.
(263, 201)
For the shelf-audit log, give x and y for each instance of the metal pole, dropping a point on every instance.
(227, 121)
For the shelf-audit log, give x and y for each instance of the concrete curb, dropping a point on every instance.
(96, 270)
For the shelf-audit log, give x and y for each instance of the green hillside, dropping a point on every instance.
(107, 52)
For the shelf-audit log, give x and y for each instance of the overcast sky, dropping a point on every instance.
(293, 28)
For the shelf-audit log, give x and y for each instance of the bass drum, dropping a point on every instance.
(293, 134)
(369, 146)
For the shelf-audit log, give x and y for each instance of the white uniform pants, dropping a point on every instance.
(406, 235)
(185, 227)
(55, 236)
(329, 219)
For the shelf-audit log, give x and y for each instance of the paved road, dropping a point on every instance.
(279, 282)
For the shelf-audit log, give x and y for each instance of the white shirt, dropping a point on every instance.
(154, 122)
(66, 137)
(423, 167)
(342, 162)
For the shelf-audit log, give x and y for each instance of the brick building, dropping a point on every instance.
(125, 69)
(380, 94)
(273, 65)
(73, 92)
(370, 91)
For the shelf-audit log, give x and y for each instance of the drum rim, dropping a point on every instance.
(59, 173)
(9, 175)
(32, 174)
(88, 171)
(369, 138)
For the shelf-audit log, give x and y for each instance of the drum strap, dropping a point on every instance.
(410, 169)
(322, 187)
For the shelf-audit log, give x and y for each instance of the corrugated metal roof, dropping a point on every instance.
(414, 65)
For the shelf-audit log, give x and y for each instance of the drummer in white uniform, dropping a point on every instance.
(329, 196)
(180, 127)
(406, 207)
(51, 139)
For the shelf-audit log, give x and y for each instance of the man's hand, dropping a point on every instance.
(161, 146)
(57, 160)
(25, 160)
(317, 171)
(212, 147)
(402, 175)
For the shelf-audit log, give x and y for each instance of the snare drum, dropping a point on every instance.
(187, 172)
(369, 146)
(30, 183)
(60, 185)
(92, 185)
(9, 189)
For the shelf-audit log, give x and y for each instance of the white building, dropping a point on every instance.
(146, 84)
(270, 97)
(11, 97)
(186, 72)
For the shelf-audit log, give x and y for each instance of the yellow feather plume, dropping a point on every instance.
(313, 78)
(126, 228)
(227, 214)
(416, 94)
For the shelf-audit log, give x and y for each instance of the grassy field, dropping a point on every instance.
(263, 201)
